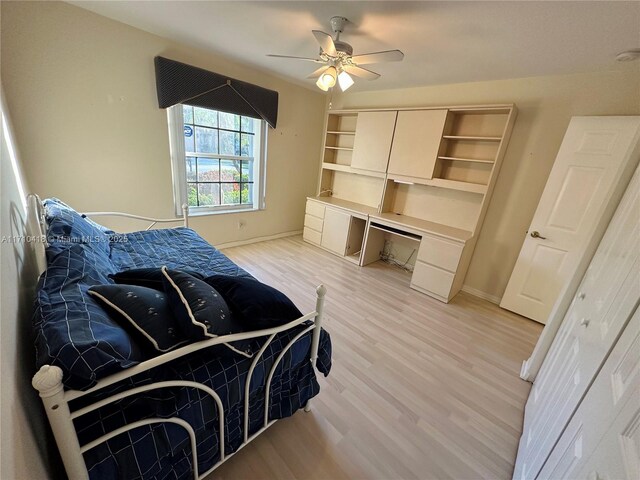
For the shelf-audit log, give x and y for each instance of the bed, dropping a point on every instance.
(118, 412)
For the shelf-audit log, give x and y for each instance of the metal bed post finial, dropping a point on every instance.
(185, 214)
(48, 382)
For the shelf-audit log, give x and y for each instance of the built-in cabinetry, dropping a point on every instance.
(423, 175)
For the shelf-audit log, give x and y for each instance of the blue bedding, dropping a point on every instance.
(76, 334)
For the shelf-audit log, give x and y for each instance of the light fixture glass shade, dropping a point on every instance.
(344, 80)
(327, 79)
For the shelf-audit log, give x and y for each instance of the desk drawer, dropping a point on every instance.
(311, 236)
(316, 209)
(439, 252)
(433, 279)
(312, 222)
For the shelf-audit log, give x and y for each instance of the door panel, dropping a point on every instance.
(335, 230)
(589, 167)
(372, 143)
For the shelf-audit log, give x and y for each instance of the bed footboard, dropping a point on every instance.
(48, 382)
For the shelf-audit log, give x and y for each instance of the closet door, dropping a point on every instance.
(601, 441)
(603, 304)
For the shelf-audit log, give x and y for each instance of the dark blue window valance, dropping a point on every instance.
(181, 83)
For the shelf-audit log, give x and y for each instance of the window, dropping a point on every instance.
(217, 160)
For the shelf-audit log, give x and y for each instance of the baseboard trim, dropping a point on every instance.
(481, 294)
(257, 239)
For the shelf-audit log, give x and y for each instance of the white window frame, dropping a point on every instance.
(179, 170)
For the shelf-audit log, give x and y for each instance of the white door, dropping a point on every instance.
(606, 298)
(372, 143)
(595, 156)
(602, 439)
(335, 230)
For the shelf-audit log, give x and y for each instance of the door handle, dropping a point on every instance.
(585, 322)
(536, 234)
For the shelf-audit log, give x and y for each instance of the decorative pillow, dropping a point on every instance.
(256, 305)
(200, 310)
(146, 277)
(144, 309)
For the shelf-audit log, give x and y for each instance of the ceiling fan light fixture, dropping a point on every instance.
(345, 80)
(327, 79)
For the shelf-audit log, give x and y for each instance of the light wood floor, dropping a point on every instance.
(418, 390)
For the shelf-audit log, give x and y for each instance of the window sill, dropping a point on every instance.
(195, 212)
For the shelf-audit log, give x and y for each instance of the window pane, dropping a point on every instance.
(246, 145)
(247, 193)
(247, 170)
(208, 118)
(187, 113)
(208, 170)
(191, 169)
(229, 121)
(230, 193)
(247, 124)
(192, 194)
(188, 138)
(229, 143)
(208, 194)
(229, 170)
(206, 140)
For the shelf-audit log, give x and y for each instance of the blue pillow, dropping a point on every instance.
(256, 305)
(199, 309)
(144, 309)
(65, 225)
(146, 277)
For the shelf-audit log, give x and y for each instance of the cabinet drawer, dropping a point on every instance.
(433, 279)
(316, 209)
(312, 236)
(440, 253)
(312, 222)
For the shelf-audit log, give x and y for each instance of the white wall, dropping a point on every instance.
(545, 106)
(82, 91)
(24, 444)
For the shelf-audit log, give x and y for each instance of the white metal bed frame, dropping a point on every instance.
(48, 380)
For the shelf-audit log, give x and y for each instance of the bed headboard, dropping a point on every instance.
(37, 231)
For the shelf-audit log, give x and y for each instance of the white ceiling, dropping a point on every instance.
(443, 42)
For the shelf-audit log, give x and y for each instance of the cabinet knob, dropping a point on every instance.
(585, 322)
(582, 295)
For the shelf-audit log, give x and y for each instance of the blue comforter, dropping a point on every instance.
(76, 334)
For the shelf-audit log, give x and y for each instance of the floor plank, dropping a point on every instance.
(418, 390)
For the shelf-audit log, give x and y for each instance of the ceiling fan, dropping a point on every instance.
(339, 61)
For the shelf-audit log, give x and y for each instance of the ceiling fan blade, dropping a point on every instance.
(318, 72)
(326, 42)
(361, 72)
(378, 57)
(296, 58)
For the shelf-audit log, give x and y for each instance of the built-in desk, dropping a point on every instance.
(439, 270)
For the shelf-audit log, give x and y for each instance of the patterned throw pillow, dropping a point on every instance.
(201, 312)
(144, 309)
(256, 305)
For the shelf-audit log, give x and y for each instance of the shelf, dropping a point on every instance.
(347, 205)
(338, 167)
(334, 132)
(399, 221)
(339, 148)
(457, 185)
(457, 159)
(464, 137)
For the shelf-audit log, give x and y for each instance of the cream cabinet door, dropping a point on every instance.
(416, 142)
(371, 146)
(335, 231)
